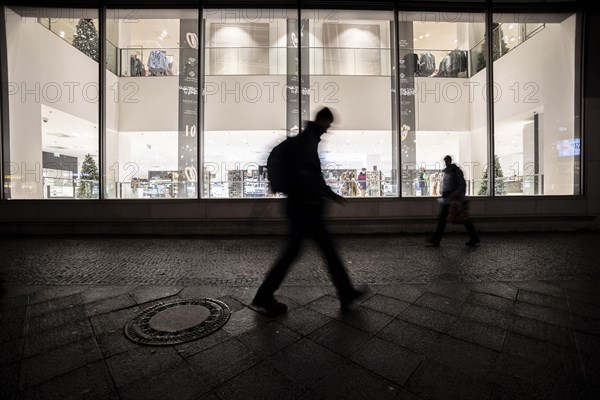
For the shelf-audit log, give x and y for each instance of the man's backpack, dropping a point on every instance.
(279, 166)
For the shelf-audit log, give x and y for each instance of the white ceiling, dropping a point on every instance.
(69, 135)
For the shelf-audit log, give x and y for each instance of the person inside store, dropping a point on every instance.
(362, 182)
(453, 190)
(305, 206)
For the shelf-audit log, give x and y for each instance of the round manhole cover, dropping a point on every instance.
(177, 321)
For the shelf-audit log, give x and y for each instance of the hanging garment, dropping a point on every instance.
(426, 64)
(136, 67)
(157, 63)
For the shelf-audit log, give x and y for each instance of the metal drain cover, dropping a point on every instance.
(177, 321)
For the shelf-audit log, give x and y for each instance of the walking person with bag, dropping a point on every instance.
(454, 205)
(299, 164)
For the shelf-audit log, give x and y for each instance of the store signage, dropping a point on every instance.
(188, 107)
(298, 100)
(406, 68)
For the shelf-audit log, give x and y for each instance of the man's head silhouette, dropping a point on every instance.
(324, 118)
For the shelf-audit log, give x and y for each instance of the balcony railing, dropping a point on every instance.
(505, 38)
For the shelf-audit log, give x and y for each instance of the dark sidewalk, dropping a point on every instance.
(517, 318)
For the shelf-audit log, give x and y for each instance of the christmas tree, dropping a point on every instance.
(499, 47)
(88, 178)
(86, 39)
(498, 179)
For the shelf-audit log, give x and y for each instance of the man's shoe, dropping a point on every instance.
(432, 243)
(270, 305)
(353, 295)
(472, 243)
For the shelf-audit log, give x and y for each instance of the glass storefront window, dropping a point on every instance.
(53, 93)
(347, 66)
(442, 100)
(536, 138)
(245, 98)
(152, 105)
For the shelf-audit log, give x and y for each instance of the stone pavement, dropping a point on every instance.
(517, 318)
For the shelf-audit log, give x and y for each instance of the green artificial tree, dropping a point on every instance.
(499, 47)
(86, 39)
(498, 179)
(87, 178)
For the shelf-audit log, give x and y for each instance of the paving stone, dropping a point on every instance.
(586, 325)
(388, 360)
(474, 332)
(92, 381)
(385, 304)
(115, 342)
(543, 314)
(584, 297)
(11, 351)
(559, 303)
(365, 319)
(180, 382)
(458, 291)
(306, 362)
(485, 315)
(113, 321)
(213, 292)
(143, 294)
(13, 323)
(55, 319)
(352, 382)
(499, 289)
(97, 293)
(262, 381)
(7, 303)
(448, 385)
(231, 303)
(490, 301)
(406, 293)
(58, 336)
(135, 364)
(58, 361)
(440, 303)
(206, 342)
(580, 286)
(302, 294)
(470, 359)
(303, 320)
(268, 338)
(524, 379)
(9, 375)
(428, 318)
(545, 353)
(243, 320)
(55, 293)
(327, 305)
(542, 288)
(584, 309)
(542, 331)
(410, 336)
(53, 305)
(340, 338)
(110, 304)
(223, 361)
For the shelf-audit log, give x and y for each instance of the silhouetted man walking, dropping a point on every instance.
(453, 189)
(305, 207)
